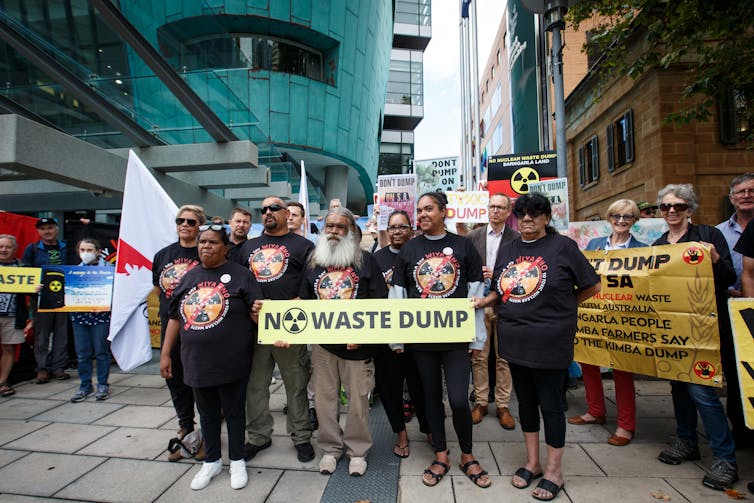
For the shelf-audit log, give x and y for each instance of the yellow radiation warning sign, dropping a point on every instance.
(366, 321)
(654, 315)
(742, 321)
(521, 179)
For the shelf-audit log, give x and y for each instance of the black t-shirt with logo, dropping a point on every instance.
(438, 269)
(278, 263)
(53, 254)
(386, 259)
(217, 334)
(365, 282)
(168, 267)
(537, 283)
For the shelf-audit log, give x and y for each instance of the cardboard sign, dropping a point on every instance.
(396, 192)
(19, 279)
(511, 174)
(467, 207)
(76, 288)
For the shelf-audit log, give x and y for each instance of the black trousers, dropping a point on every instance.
(391, 370)
(541, 389)
(212, 402)
(181, 395)
(457, 367)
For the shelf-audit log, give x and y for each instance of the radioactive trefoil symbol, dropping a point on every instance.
(295, 320)
(521, 179)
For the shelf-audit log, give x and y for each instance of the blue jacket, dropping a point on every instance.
(35, 254)
(601, 243)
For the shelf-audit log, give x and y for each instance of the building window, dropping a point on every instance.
(405, 84)
(733, 124)
(492, 73)
(258, 52)
(620, 141)
(496, 99)
(589, 162)
(498, 56)
(416, 12)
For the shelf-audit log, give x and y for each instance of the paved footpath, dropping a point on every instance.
(54, 450)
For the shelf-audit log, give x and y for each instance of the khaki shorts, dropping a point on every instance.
(8, 331)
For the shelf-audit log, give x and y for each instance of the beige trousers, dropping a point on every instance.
(479, 373)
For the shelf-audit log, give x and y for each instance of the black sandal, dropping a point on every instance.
(6, 390)
(549, 486)
(436, 477)
(475, 477)
(526, 476)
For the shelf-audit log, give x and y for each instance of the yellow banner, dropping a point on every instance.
(742, 321)
(655, 315)
(366, 321)
(19, 279)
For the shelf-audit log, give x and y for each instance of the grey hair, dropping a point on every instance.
(740, 179)
(12, 239)
(684, 191)
(344, 212)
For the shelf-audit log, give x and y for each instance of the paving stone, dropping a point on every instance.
(17, 498)
(138, 416)
(49, 390)
(143, 381)
(124, 480)
(511, 456)
(602, 489)
(654, 407)
(136, 443)
(626, 465)
(11, 429)
(411, 489)
(82, 412)
(25, 408)
(694, 490)
(289, 487)
(8, 456)
(282, 455)
(422, 455)
(141, 396)
(60, 437)
(45, 474)
(261, 483)
(464, 490)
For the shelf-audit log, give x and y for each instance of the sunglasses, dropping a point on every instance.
(190, 221)
(273, 208)
(214, 227)
(518, 213)
(618, 218)
(679, 207)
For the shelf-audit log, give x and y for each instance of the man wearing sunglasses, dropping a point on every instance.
(168, 268)
(277, 258)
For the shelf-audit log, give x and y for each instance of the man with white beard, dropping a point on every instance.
(339, 269)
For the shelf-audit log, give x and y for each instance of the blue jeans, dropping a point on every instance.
(91, 341)
(689, 398)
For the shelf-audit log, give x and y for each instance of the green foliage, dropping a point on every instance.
(713, 39)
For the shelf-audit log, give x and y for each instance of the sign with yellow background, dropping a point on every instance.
(742, 321)
(366, 321)
(19, 279)
(655, 315)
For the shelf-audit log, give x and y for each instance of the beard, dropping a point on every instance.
(336, 251)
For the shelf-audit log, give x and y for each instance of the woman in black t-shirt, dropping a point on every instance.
(432, 266)
(210, 311)
(541, 278)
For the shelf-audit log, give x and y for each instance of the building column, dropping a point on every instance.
(336, 183)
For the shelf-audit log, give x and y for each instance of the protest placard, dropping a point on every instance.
(742, 321)
(76, 288)
(437, 174)
(511, 174)
(556, 191)
(19, 279)
(396, 192)
(467, 207)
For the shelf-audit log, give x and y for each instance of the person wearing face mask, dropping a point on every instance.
(90, 335)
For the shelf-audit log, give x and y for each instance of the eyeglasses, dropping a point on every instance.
(533, 213)
(618, 218)
(189, 221)
(214, 227)
(679, 207)
(273, 208)
(497, 208)
(396, 228)
(743, 192)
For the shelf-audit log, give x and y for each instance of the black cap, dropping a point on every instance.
(44, 221)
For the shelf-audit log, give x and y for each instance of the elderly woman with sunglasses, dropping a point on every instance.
(621, 214)
(539, 280)
(211, 314)
(677, 203)
(168, 267)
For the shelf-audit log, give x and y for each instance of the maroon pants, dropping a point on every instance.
(625, 395)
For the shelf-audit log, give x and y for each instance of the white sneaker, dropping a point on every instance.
(357, 467)
(327, 464)
(238, 475)
(209, 470)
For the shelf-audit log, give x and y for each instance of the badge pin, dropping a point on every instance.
(447, 251)
(225, 278)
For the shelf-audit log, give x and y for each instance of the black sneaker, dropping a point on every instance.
(251, 450)
(721, 475)
(305, 452)
(679, 452)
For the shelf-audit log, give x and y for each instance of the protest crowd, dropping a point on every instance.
(524, 280)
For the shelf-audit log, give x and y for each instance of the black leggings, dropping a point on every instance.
(181, 395)
(391, 370)
(541, 389)
(457, 367)
(231, 399)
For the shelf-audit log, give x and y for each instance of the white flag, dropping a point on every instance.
(146, 226)
(303, 199)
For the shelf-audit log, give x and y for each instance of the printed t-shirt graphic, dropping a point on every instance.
(386, 261)
(173, 272)
(522, 280)
(436, 274)
(336, 283)
(204, 306)
(269, 262)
